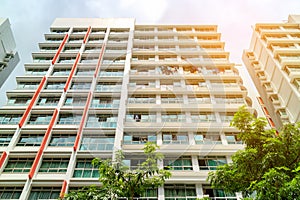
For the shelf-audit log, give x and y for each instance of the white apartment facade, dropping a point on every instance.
(273, 61)
(100, 85)
(9, 57)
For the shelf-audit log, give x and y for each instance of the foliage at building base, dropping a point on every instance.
(118, 181)
(269, 166)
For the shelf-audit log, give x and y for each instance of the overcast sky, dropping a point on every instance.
(30, 19)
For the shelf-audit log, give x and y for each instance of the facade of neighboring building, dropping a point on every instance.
(9, 58)
(273, 61)
(100, 85)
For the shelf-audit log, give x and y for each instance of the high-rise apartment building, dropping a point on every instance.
(99, 85)
(273, 61)
(9, 58)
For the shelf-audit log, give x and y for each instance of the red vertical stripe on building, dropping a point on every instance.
(63, 189)
(266, 111)
(99, 60)
(88, 101)
(35, 95)
(2, 158)
(35, 163)
(49, 129)
(72, 72)
(260, 100)
(86, 35)
(59, 49)
(43, 144)
(271, 122)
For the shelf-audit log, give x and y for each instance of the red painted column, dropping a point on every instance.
(78, 136)
(260, 101)
(99, 60)
(72, 72)
(43, 144)
(59, 49)
(2, 158)
(87, 35)
(63, 189)
(35, 95)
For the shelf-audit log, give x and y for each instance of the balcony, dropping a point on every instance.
(102, 121)
(108, 88)
(111, 74)
(293, 72)
(289, 60)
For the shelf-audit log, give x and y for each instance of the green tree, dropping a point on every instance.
(269, 166)
(118, 181)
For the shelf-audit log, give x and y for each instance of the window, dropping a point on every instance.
(18, 165)
(54, 165)
(199, 99)
(207, 138)
(166, 48)
(55, 85)
(44, 193)
(75, 40)
(72, 48)
(196, 85)
(211, 162)
(173, 117)
(18, 101)
(89, 59)
(180, 191)
(175, 138)
(135, 98)
(5, 139)
(229, 99)
(42, 59)
(226, 117)
(48, 101)
(108, 87)
(111, 72)
(30, 140)
(59, 31)
(62, 140)
(168, 70)
(80, 86)
(79, 31)
(102, 121)
(97, 143)
(85, 169)
(36, 72)
(96, 39)
(10, 192)
(133, 163)
(203, 117)
(140, 117)
(232, 138)
(11, 119)
(40, 119)
(217, 193)
(90, 49)
(69, 119)
(54, 39)
(150, 193)
(75, 101)
(105, 102)
(181, 163)
(167, 98)
(61, 72)
(85, 72)
(139, 138)
(27, 85)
